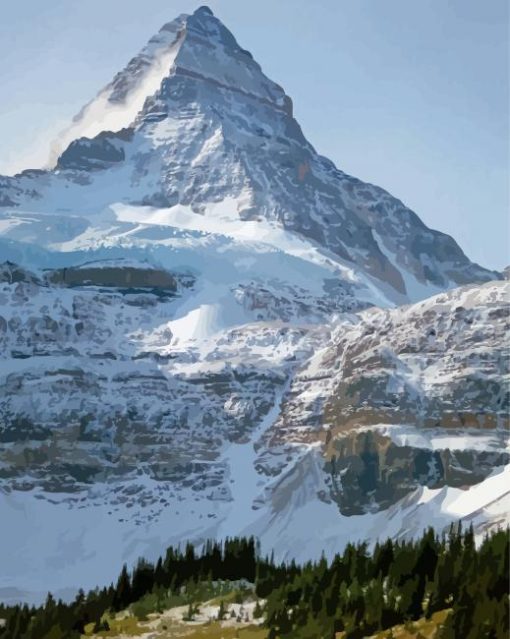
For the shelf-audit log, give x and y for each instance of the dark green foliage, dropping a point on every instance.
(233, 560)
(361, 593)
(123, 594)
(358, 592)
(480, 605)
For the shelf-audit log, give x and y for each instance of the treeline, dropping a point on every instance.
(357, 593)
(233, 560)
(360, 593)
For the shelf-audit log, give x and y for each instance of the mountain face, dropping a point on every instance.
(201, 336)
(192, 121)
(408, 397)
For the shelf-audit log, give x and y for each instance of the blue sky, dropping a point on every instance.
(410, 95)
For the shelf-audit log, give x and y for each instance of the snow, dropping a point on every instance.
(210, 311)
(104, 114)
(8, 223)
(415, 289)
(86, 545)
(245, 483)
(308, 527)
(87, 541)
(60, 548)
(441, 439)
(222, 218)
(463, 503)
(120, 262)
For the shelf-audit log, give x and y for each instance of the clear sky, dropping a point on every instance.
(412, 95)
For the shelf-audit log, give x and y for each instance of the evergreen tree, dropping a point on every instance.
(358, 593)
(123, 593)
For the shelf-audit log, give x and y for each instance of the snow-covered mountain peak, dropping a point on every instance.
(192, 123)
(198, 45)
(210, 51)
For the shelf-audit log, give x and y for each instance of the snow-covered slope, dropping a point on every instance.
(188, 344)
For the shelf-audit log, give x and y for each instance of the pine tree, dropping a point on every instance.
(123, 595)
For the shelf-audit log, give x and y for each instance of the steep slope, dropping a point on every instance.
(187, 348)
(415, 396)
(192, 121)
(124, 430)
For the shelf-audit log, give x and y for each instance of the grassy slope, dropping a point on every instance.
(420, 629)
(169, 623)
(163, 626)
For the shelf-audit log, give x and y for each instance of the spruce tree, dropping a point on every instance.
(123, 593)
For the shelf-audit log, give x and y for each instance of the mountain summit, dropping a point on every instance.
(193, 121)
(201, 336)
(197, 46)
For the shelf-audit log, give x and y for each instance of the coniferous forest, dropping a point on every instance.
(356, 594)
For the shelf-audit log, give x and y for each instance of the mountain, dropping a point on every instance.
(192, 121)
(203, 335)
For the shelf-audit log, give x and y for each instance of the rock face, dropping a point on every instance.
(370, 472)
(415, 396)
(101, 152)
(440, 363)
(199, 336)
(97, 387)
(116, 275)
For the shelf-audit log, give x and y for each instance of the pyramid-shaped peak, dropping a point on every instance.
(190, 41)
(202, 14)
(204, 23)
(193, 121)
(197, 46)
(203, 10)
(210, 53)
